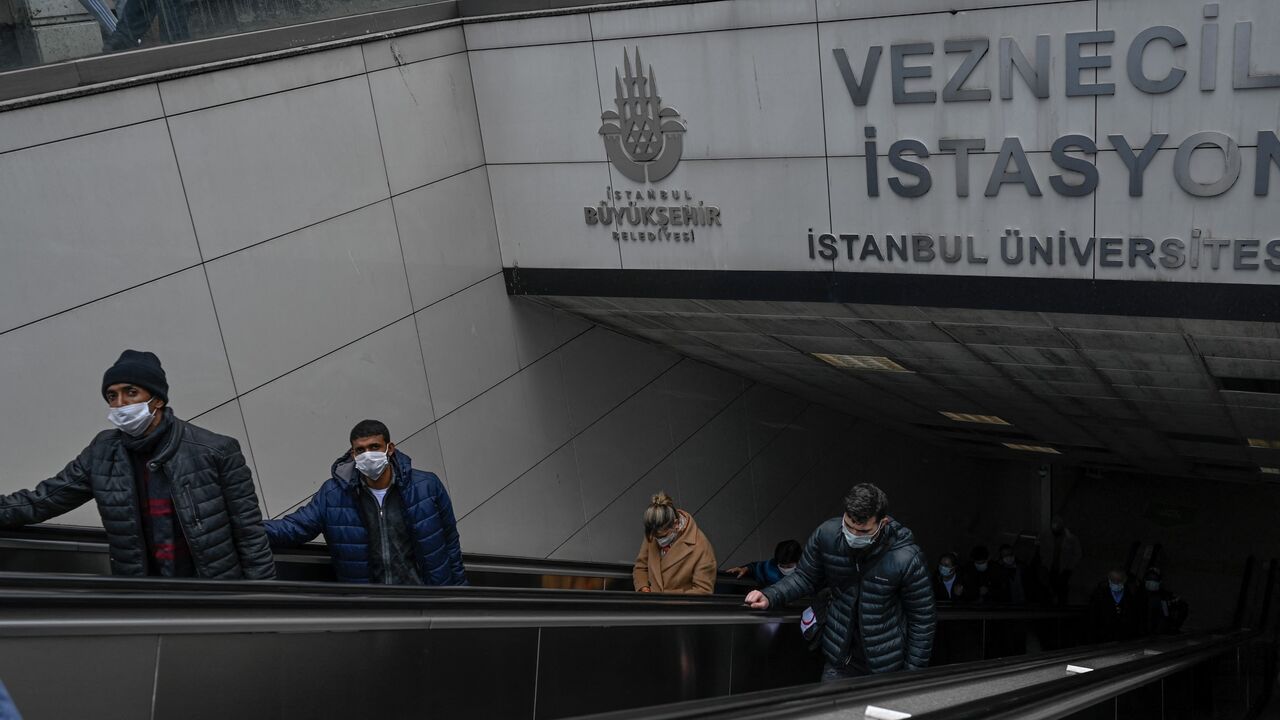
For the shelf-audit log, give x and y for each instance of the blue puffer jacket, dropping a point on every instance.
(334, 511)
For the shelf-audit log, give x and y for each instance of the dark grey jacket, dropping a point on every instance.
(889, 584)
(213, 496)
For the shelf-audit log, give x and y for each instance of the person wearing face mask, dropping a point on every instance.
(881, 615)
(675, 557)
(1114, 608)
(1164, 611)
(768, 572)
(947, 586)
(383, 520)
(176, 500)
(1060, 552)
(982, 581)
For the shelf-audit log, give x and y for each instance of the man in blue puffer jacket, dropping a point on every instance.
(384, 521)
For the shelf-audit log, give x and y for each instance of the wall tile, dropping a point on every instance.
(80, 116)
(540, 329)
(621, 447)
(532, 31)
(602, 368)
(772, 200)
(469, 343)
(423, 447)
(729, 517)
(406, 49)
(540, 223)
(742, 93)
(448, 235)
(526, 412)
(538, 104)
(61, 361)
(616, 533)
(334, 282)
(1035, 121)
(985, 218)
(196, 92)
(261, 168)
(73, 236)
(711, 457)
(427, 120)
(300, 422)
(702, 17)
(532, 516)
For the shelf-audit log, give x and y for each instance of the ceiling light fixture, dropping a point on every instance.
(861, 362)
(1032, 448)
(971, 418)
(1264, 444)
(1269, 470)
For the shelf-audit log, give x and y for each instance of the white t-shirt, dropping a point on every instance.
(379, 494)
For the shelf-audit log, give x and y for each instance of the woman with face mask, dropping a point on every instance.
(675, 557)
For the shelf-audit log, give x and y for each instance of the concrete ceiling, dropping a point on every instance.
(1157, 395)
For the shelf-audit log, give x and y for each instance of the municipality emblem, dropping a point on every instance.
(643, 138)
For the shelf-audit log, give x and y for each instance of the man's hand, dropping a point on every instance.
(738, 572)
(756, 600)
(645, 589)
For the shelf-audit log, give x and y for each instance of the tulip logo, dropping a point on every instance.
(643, 138)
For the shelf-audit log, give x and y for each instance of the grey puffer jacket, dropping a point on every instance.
(889, 584)
(213, 496)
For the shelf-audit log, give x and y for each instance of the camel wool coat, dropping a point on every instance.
(689, 567)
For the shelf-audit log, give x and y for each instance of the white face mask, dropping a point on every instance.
(371, 464)
(133, 419)
(665, 540)
(980, 566)
(858, 542)
(786, 570)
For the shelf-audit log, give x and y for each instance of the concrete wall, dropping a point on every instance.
(311, 241)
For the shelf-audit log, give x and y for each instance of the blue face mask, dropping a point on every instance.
(946, 571)
(1116, 587)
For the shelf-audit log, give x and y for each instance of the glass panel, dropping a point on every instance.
(38, 32)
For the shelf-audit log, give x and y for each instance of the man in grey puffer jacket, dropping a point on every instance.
(880, 617)
(176, 500)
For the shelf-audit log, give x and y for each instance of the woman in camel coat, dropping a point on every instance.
(675, 556)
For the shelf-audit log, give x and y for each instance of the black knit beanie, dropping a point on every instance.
(139, 368)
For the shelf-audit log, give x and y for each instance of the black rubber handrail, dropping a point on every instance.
(813, 699)
(1067, 695)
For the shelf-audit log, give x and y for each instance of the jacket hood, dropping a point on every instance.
(898, 535)
(344, 471)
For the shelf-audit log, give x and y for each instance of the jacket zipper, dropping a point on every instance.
(195, 512)
(382, 533)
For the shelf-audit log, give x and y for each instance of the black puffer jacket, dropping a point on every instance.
(890, 585)
(213, 496)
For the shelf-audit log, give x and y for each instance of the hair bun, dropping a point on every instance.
(662, 500)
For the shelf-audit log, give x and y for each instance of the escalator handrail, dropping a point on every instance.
(797, 701)
(88, 539)
(1070, 694)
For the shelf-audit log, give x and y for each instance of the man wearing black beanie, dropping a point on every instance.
(176, 500)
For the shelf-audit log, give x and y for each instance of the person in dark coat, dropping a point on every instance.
(982, 582)
(176, 500)
(881, 615)
(383, 521)
(1164, 611)
(767, 572)
(1115, 610)
(947, 585)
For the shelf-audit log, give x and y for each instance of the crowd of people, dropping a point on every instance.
(177, 500)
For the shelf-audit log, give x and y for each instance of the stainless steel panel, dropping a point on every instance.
(388, 674)
(104, 678)
(587, 669)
